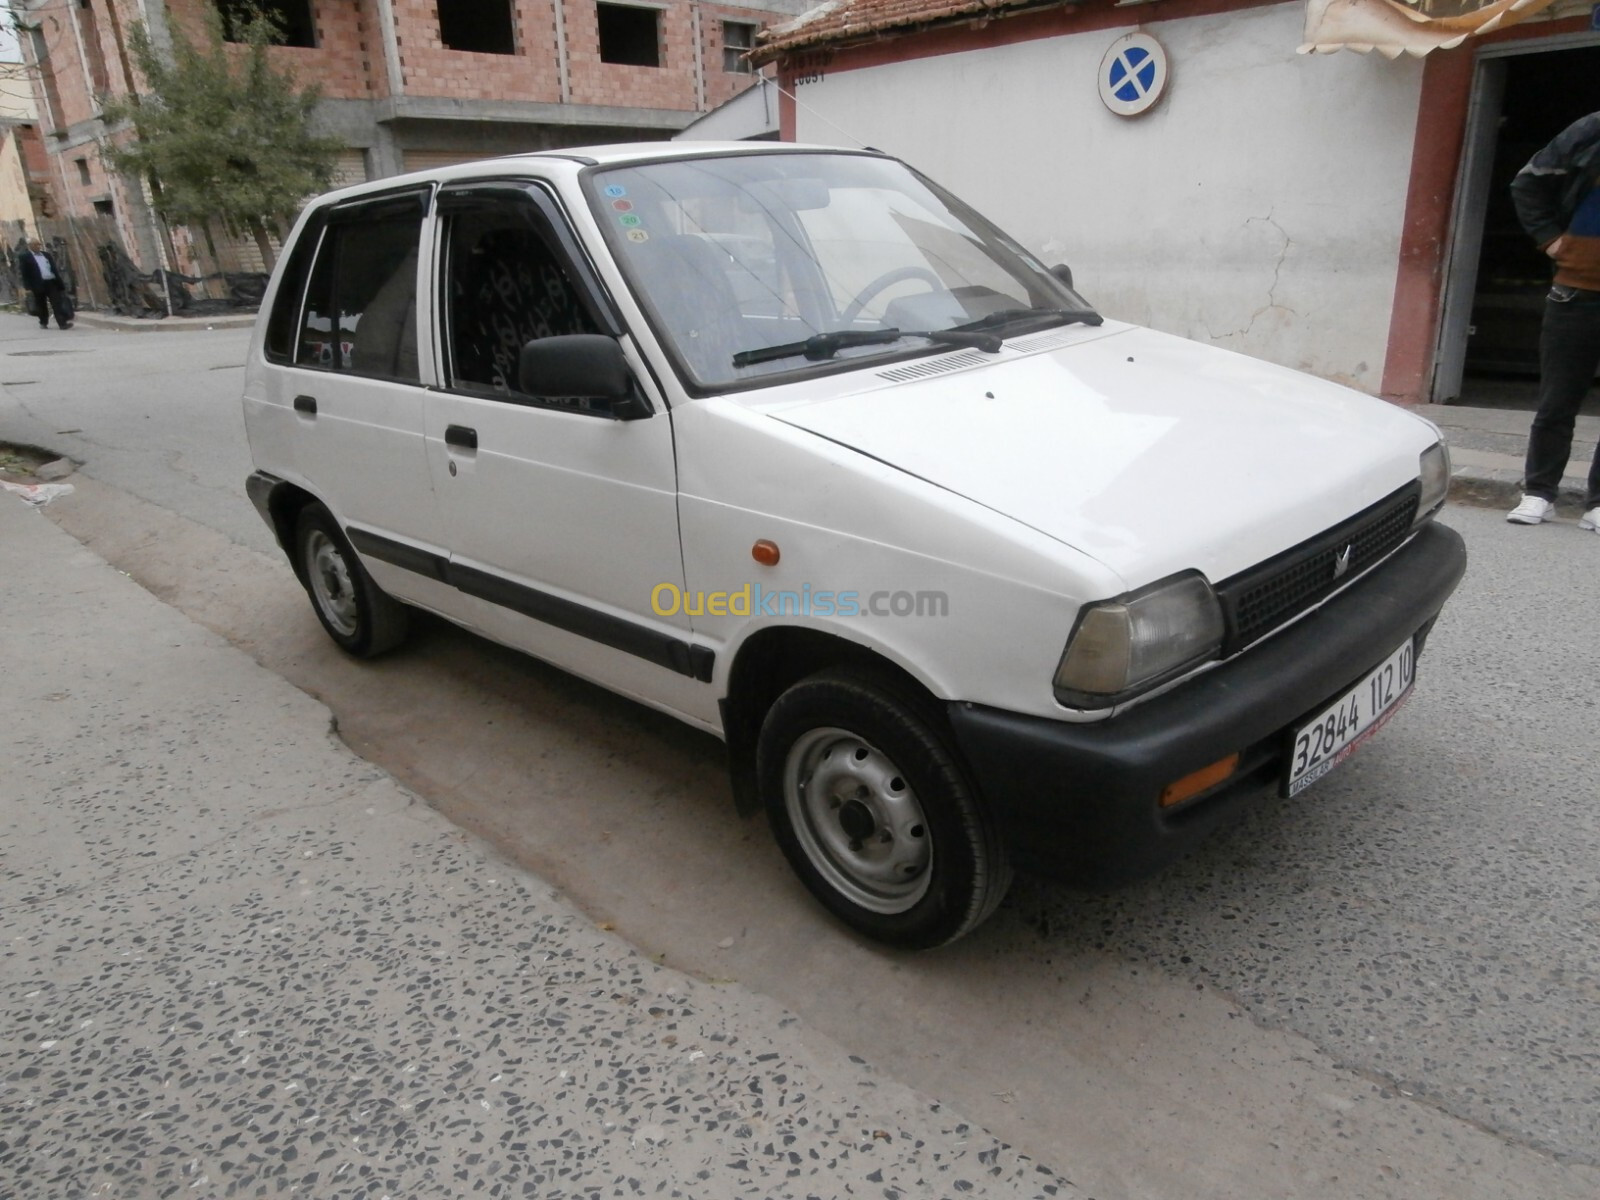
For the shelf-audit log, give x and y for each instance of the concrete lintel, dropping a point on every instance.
(430, 108)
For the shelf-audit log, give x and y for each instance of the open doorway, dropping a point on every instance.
(1489, 351)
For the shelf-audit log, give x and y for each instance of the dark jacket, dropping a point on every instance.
(28, 268)
(1558, 196)
(1549, 189)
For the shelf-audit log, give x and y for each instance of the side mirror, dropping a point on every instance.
(1062, 272)
(589, 365)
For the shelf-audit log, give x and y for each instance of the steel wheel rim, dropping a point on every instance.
(331, 583)
(858, 820)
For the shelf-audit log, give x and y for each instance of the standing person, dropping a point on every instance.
(41, 277)
(1558, 202)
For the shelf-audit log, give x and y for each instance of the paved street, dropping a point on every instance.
(238, 960)
(1385, 987)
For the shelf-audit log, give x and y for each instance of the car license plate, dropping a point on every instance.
(1329, 738)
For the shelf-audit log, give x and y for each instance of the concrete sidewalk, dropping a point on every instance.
(238, 960)
(1487, 448)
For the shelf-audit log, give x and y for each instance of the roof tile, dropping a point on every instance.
(848, 20)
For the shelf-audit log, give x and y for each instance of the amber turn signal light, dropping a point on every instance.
(765, 553)
(1193, 784)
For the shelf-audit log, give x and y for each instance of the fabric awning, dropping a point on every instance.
(1393, 28)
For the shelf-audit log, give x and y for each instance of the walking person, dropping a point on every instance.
(42, 277)
(1558, 202)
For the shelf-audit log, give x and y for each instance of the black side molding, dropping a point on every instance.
(676, 654)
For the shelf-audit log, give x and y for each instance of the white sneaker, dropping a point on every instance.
(1590, 520)
(1531, 511)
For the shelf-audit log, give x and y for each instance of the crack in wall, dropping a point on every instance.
(1272, 303)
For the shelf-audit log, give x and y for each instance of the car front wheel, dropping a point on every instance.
(871, 806)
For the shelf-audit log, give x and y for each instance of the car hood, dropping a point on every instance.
(1152, 453)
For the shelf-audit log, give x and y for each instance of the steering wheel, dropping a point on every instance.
(887, 279)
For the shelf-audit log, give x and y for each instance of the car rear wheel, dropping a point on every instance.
(356, 612)
(871, 806)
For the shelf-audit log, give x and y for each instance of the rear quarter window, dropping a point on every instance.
(285, 316)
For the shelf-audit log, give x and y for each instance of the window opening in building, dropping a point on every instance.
(482, 26)
(90, 29)
(738, 39)
(629, 36)
(83, 170)
(295, 23)
(104, 208)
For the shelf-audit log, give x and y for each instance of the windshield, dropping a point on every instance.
(758, 266)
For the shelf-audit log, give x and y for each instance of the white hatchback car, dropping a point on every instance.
(792, 444)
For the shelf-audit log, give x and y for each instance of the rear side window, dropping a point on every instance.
(285, 315)
(360, 310)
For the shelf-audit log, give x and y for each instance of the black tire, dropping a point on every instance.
(871, 806)
(358, 615)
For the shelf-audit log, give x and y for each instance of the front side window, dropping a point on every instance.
(504, 285)
(360, 308)
(758, 266)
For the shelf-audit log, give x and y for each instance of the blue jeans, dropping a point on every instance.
(1569, 355)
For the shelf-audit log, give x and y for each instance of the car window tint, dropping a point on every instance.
(366, 273)
(285, 315)
(504, 286)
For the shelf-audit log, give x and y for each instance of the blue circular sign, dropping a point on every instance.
(1133, 74)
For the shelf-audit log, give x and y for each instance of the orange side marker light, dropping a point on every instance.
(1199, 781)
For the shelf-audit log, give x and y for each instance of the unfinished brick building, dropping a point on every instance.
(406, 84)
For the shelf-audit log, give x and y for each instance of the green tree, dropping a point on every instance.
(219, 133)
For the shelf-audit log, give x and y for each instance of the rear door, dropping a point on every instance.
(346, 336)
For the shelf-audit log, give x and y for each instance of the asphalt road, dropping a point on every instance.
(1386, 982)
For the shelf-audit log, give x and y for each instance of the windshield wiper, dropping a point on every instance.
(1085, 316)
(819, 346)
(822, 346)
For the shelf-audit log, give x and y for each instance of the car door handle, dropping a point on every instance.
(460, 435)
(306, 404)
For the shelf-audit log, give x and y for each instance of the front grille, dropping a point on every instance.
(1257, 601)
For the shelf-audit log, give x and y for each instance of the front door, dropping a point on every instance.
(562, 520)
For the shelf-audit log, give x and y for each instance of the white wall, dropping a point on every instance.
(1258, 206)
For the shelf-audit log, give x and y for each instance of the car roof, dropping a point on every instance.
(567, 161)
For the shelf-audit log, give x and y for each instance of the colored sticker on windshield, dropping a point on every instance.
(629, 221)
(622, 205)
(615, 190)
(638, 235)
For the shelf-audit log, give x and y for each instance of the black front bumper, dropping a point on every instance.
(1080, 803)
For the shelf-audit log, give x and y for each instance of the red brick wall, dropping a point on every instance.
(671, 85)
(724, 85)
(349, 60)
(431, 69)
(347, 63)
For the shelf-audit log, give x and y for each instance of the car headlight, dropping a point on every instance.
(1434, 472)
(1127, 645)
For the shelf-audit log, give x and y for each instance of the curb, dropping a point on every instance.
(121, 324)
(1497, 488)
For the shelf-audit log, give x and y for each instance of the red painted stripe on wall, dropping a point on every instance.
(1419, 283)
(1447, 80)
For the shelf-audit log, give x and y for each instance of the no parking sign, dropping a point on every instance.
(1133, 74)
